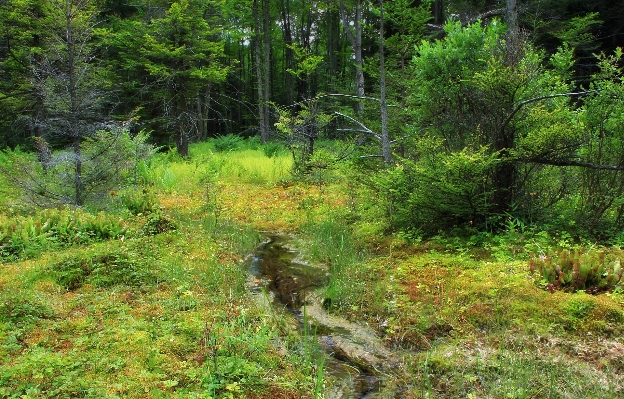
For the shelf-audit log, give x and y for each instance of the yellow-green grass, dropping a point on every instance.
(190, 332)
(186, 327)
(467, 325)
(204, 168)
(484, 328)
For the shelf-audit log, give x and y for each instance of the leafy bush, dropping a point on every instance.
(573, 271)
(109, 160)
(272, 149)
(18, 309)
(439, 191)
(102, 270)
(158, 224)
(140, 201)
(25, 235)
(228, 142)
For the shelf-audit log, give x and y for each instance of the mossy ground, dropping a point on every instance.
(468, 321)
(471, 325)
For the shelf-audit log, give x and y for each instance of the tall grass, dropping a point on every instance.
(331, 242)
(248, 165)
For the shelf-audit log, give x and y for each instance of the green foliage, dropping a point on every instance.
(104, 269)
(24, 236)
(20, 308)
(140, 202)
(332, 243)
(272, 149)
(229, 142)
(440, 191)
(577, 31)
(572, 271)
(109, 161)
(302, 129)
(307, 63)
(158, 224)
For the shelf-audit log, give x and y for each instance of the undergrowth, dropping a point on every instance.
(149, 300)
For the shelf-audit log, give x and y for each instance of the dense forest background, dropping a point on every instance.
(483, 114)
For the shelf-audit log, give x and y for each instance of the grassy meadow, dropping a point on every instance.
(148, 299)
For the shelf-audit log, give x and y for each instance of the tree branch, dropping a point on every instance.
(521, 104)
(336, 95)
(364, 128)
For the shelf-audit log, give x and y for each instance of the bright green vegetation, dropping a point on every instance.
(457, 165)
(148, 299)
(472, 320)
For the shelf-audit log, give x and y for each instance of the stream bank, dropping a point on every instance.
(357, 364)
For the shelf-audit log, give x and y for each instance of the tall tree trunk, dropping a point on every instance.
(513, 34)
(385, 138)
(72, 81)
(207, 107)
(359, 61)
(504, 177)
(201, 117)
(288, 52)
(267, 69)
(332, 35)
(257, 44)
(355, 38)
(438, 12)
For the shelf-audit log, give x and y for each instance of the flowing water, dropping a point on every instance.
(357, 364)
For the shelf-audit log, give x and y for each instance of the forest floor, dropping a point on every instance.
(162, 310)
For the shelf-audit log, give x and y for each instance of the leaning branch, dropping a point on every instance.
(364, 128)
(336, 95)
(540, 98)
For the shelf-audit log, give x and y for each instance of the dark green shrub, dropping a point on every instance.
(439, 191)
(71, 273)
(228, 142)
(121, 269)
(158, 224)
(140, 202)
(103, 270)
(18, 309)
(573, 271)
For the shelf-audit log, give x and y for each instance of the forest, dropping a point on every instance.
(311, 199)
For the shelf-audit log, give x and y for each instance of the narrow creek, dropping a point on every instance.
(357, 364)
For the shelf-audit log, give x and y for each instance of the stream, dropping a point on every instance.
(357, 364)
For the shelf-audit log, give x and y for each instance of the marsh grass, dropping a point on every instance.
(183, 332)
(508, 369)
(152, 312)
(249, 164)
(330, 242)
(166, 314)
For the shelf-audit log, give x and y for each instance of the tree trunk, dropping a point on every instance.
(355, 38)
(385, 138)
(513, 34)
(288, 52)
(332, 47)
(438, 12)
(504, 177)
(257, 44)
(267, 70)
(359, 71)
(201, 118)
(207, 107)
(72, 81)
(183, 140)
